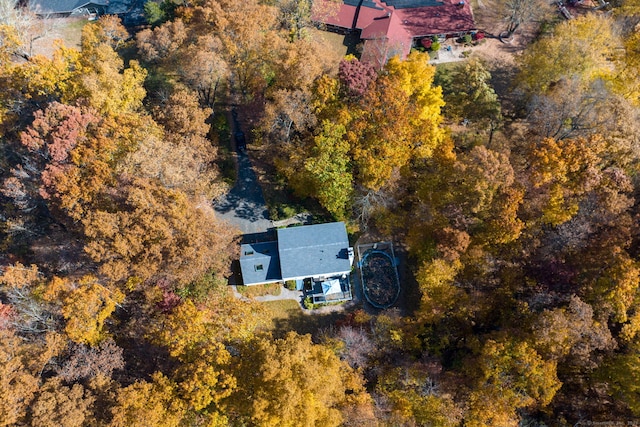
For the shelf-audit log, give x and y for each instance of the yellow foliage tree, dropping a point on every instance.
(439, 295)
(510, 375)
(397, 120)
(291, 382)
(148, 404)
(203, 377)
(579, 48)
(86, 308)
(560, 173)
(18, 384)
(57, 405)
(109, 87)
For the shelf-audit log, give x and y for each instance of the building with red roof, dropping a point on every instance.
(391, 27)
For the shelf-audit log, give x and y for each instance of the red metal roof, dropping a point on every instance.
(446, 18)
(450, 17)
(389, 28)
(346, 14)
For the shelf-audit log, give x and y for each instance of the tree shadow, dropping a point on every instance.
(503, 82)
(307, 323)
(352, 42)
(245, 199)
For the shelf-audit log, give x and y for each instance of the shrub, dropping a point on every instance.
(199, 289)
(309, 305)
(467, 39)
(435, 46)
(287, 211)
(291, 285)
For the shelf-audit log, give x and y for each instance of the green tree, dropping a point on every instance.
(472, 97)
(621, 374)
(154, 13)
(328, 167)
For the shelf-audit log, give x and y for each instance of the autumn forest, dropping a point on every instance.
(519, 230)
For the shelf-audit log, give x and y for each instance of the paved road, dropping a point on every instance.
(244, 206)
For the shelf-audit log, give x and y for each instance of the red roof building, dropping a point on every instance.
(389, 27)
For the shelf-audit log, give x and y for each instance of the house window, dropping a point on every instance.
(248, 252)
(259, 267)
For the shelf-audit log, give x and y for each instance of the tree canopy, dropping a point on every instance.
(510, 195)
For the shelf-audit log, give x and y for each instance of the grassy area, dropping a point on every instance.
(68, 30)
(73, 27)
(335, 41)
(260, 290)
(287, 315)
(446, 66)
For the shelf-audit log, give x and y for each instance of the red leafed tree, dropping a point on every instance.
(356, 76)
(52, 136)
(56, 131)
(6, 313)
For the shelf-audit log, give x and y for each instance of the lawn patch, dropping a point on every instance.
(287, 315)
(336, 42)
(260, 290)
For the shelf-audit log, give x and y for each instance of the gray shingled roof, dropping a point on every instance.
(313, 250)
(43, 7)
(259, 263)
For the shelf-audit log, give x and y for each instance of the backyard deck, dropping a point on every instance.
(315, 290)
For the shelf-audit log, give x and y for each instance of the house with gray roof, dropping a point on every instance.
(259, 263)
(320, 250)
(318, 253)
(61, 8)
